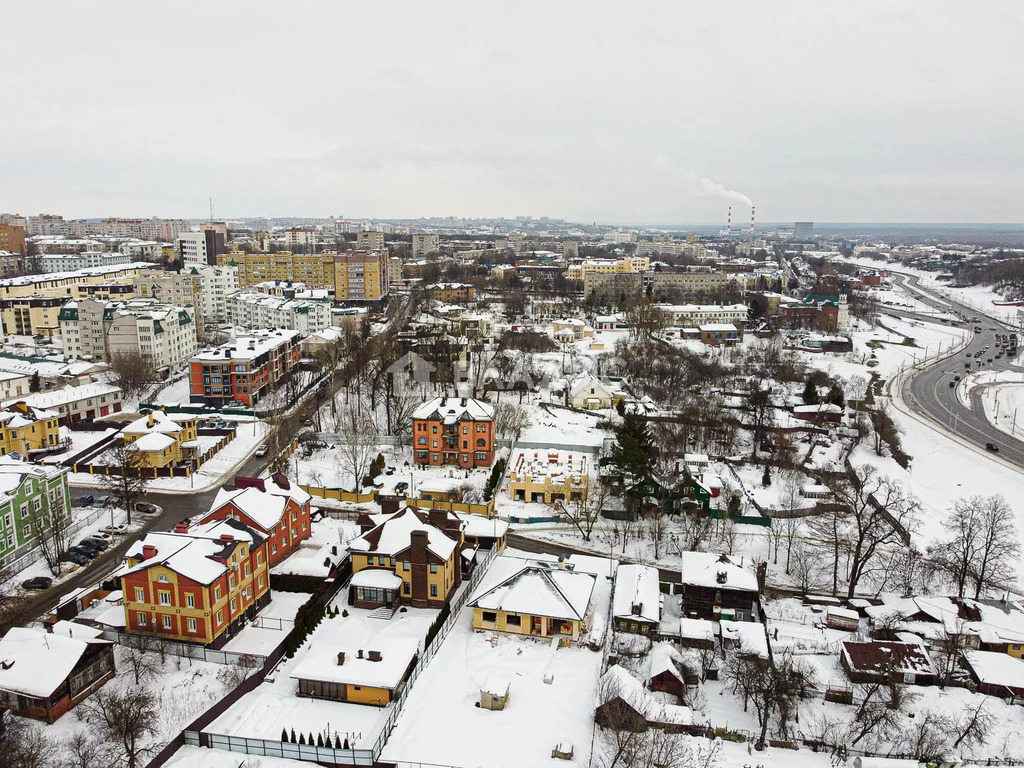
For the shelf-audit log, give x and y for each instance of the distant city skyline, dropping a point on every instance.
(859, 112)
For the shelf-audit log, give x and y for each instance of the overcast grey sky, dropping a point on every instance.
(640, 112)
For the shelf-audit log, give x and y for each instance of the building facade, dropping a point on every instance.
(29, 431)
(32, 494)
(216, 285)
(424, 245)
(452, 430)
(361, 276)
(94, 400)
(200, 249)
(98, 330)
(244, 369)
(257, 310)
(316, 270)
(12, 238)
(67, 262)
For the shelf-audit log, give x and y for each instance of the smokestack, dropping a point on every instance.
(728, 224)
(751, 219)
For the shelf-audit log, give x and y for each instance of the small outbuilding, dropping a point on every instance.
(494, 693)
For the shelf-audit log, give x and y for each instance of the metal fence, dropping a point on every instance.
(28, 553)
(185, 650)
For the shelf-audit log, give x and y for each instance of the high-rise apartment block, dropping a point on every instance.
(12, 239)
(313, 270)
(422, 245)
(371, 241)
(199, 249)
(216, 285)
(361, 276)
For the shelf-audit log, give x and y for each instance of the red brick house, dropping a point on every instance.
(43, 675)
(274, 506)
(453, 430)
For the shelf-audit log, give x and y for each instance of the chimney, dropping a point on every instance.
(463, 402)
(637, 609)
(721, 576)
(418, 547)
(181, 527)
(341, 658)
(281, 481)
(443, 400)
(437, 518)
(360, 653)
(227, 537)
(374, 656)
(148, 551)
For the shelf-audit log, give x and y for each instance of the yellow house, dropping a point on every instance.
(161, 440)
(547, 478)
(411, 557)
(532, 598)
(28, 430)
(372, 672)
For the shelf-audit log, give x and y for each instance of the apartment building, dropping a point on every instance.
(423, 245)
(299, 236)
(31, 316)
(216, 284)
(200, 249)
(94, 400)
(11, 262)
(370, 241)
(67, 284)
(243, 370)
(257, 310)
(47, 224)
(452, 430)
(32, 432)
(12, 239)
(693, 315)
(68, 262)
(315, 270)
(274, 506)
(199, 584)
(30, 491)
(624, 265)
(164, 230)
(97, 330)
(361, 276)
(611, 288)
(451, 293)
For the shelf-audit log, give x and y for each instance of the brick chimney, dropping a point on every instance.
(181, 527)
(374, 656)
(227, 537)
(418, 546)
(281, 481)
(437, 518)
(341, 658)
(148, 551)
(250, 482)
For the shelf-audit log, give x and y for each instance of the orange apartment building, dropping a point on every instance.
(12, 239)
(197, 584)
(243, 370)
(277, 508)
(453, 430)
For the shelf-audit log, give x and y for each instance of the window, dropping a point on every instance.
(513, 620)
(165, 598)
(433, 590)
(231, 582)
(190, 600)
(140, 595)
(216, 593)
(405, 565)
(433, 567)
(191, 625)
(421, 441)
(392, 562)
(489, 616)
(406, 587)
(260, 582)
(220, 617)
(481, 443)
(435, 457)
(167, 622)
(465, 430)
(24, 511)
(481, 456)
(141, 618)
(246, 570)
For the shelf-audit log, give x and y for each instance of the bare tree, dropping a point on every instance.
(142, 664)
(771, 686)
(126, 718)
(759, 404)
(132, 371)
(585, 510)
(974, 725)
(83, 750)
(26, 744)
(997, 546)
(882, 707)
(127, 483)
(51, 526)
(510, 421)
(696, 529)
(358, 441)
(806, 569)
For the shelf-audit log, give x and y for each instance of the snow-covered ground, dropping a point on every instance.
(325, 534)
(270, 626)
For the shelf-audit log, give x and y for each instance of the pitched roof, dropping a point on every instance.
(704, 569)
(36, 661)
(884, 657)
(320, 662)
(264, 509)
(539, 589)
(617, 682)
(196, 555)
(453, 409)
(996, 668)
(395, 535)
(637, 585)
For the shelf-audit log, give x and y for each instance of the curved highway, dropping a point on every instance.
(929, 392)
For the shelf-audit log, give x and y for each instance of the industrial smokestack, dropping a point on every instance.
(751, 219)
(728, 225)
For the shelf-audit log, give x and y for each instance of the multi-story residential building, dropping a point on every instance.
(11, 262)
(164, 230)
(199, 584)
(394, 270)
(47, 224)
(693, 315)
(12, 239)
(68, 284)
(423, 245)
(68, 262)
(299, 236)
(451, 293)
(244, 369)
(97, 330)
(73, 404)
(549, 477)
(31, 316)
(14, 220)
(257, 310)
(316, 270)
(274, 506)
(31, 494)
(361, 276)
(410, 557)
(452, 430)
(370, 241)
(162, 440)
(148, 250)
(610, 288)
(201, 249)
(624, 265)
(216, 285)
(32, 432)
(15, 384)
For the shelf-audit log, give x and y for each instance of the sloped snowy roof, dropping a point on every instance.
(162, 423)
(618, 682)
(38, 661)
(321, 662)
(703, 568)
(996, 668)
(637, 585)
(190, 554)
(749, 635)
(479, 526)
(455, 409)
(265, 509)
(66, 394)
(395, 534)
(514, 585)
(151, 442)
(664, 658)
(376, 577)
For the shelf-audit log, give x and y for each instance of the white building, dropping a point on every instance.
(693, 315)
(258, 310)
(217, 283)
(88, 401)
(68, 262)
(299, 236)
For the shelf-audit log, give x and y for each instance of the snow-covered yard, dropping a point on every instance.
(271, 625)
(327, 541)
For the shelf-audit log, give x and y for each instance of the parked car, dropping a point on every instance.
(85, 552)
(262, 450)
(116, 530)
(91, 545)
(992, 447)
(85, 501)
(102, 536)
(37, 582)
(103, 501)
(97, 541)
(401, 487)
(73, 556)
(145, 506)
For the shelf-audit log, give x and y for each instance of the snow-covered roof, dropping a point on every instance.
(479, 526)
(514, 585)
(66, 628)
(996, 668)
(162, 423)
(637, 594)
(453, 409)
(589, 382)
(395, 535)
(618, 682)
(320, 662)
(36, 662)
(248, 347)
(884, 657)
(15, 417)
(697, 629)
(748, 635)
(67, 394)
(818, 408)
(664, 658)
(705, 568)
(151, 442)
(376, 577)
(191, 554)
(262, 508)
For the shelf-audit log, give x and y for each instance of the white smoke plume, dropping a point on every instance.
(691, 181)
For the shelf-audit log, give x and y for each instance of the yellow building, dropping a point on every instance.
(451, 293)
(548, 478)
(65, 284)
(536, 599)
(361, 276)
(622, 265)
(315, 270)
(409, 557)
(160, 440)
(372, 673)
(29, 431)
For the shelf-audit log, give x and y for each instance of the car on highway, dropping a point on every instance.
(37, 582)
(992, 447)
(146, 507)
(262, 450)
(116, 530)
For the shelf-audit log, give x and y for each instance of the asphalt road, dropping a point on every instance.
(929, 392)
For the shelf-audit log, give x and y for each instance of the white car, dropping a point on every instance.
(102, 536)
(116, 530)
(262, 450)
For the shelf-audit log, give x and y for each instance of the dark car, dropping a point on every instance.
(89, 547)
(992, 447)
(401, 487)
(75, 557)
(98, 544)
(103, 501)
(38, 582)
(85, 552)
(85, 501)
(145, 506)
